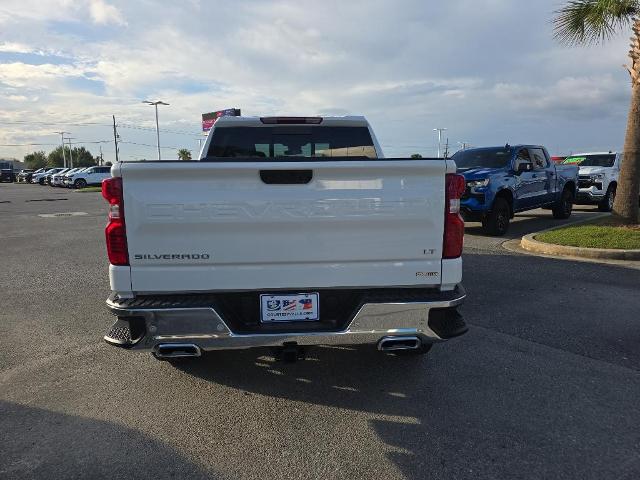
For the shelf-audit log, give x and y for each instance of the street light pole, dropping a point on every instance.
(439, 130)
(64, 156)
(155, 104)
(70, 152)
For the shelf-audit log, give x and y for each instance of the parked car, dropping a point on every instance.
(49, 176)
(24, 175)
(67, 175)
(289, 232)
(502, 181)
(56, 179)
(6, 175)
(597, 178)
(41, 178)
(89, 176)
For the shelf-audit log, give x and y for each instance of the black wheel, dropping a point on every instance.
(422, 350)
(80, 183)
(496, 222)
(606, 205)
(41, 181)
(563, 208)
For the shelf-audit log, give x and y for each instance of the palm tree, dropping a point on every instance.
(184, 154)
(585, 22)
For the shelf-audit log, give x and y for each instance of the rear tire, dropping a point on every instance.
(496, 222)
(606, 205)
(564, 206)
(80, 183)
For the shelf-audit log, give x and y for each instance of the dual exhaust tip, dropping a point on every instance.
(185, 350)
(177, 350)
(394, 344)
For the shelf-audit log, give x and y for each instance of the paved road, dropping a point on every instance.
(546, 384)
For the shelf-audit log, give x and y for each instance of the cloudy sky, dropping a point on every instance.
(488, 70)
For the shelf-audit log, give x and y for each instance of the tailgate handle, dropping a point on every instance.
(286, 177)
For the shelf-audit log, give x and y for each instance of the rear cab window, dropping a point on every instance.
(291, 141)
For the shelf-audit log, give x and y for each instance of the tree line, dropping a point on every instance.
(81, 158)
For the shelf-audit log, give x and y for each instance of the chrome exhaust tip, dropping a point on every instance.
(177, 350)
(391, 344)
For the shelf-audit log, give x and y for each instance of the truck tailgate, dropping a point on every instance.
(210, 226)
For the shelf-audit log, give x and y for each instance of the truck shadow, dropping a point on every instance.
(39, 443)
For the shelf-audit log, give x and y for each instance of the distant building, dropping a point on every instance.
(7, 162)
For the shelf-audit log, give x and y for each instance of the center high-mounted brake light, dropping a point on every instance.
(453, 224)
(115, 232)
(291, 120)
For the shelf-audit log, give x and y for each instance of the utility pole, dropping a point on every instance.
(70, 152)
(101, 159)
(64, 157)
(155, 104)
(115, 136)
(446, 149)
(439, 130)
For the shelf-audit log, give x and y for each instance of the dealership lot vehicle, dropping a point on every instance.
(89, 176)
(7, 173)
(43, 178)
(306, 235)
(56, 179)
(48, 179)
(598, 178)
(39, 176)
(66, 178)
(502, 181)
(24, 175)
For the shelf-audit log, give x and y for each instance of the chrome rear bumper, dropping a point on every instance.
(431, 321)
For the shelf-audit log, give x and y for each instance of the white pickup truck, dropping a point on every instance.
(286, 232)
(597, 178)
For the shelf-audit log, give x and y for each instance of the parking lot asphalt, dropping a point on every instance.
(546, 383)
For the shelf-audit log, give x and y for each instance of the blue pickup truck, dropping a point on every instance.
(502, 181)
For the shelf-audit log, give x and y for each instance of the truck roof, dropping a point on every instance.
(519, 145)
(346, 121)
(591, 153)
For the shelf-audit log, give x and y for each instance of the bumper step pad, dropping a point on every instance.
(126, 332)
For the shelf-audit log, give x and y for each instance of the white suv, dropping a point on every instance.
(89, 176)
(597, 178)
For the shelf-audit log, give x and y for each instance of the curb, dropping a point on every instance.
(529, 243)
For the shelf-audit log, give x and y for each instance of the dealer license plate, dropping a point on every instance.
(290, 308)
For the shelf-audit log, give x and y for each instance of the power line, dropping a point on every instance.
(147, 145)
(49, 144)
(86, 124)
(135, 127)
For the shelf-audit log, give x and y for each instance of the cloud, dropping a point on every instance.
(36, 77)
(103, 13)
(579, 98)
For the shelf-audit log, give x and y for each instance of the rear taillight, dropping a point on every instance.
(290, 120)
(453, 223)
(115, 233)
